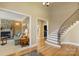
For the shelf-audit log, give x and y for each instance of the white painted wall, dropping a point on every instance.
(72, 35)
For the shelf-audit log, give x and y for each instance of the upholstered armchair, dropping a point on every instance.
(17, 38)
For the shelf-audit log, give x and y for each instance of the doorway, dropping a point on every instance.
(42, 33)
(45, 32)
(13, 26)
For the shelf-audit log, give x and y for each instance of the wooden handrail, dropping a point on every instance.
(64, 24)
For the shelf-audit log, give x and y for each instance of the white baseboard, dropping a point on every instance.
(70, 43)
(53, 44)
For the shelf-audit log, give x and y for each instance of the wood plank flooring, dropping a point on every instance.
(65, 50)
(48, 50)
(23, 52)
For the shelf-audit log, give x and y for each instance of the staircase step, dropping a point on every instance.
(52, 38)
(69, 28)
(53, 34)
(52, 41)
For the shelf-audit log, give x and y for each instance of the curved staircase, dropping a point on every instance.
(55, 37)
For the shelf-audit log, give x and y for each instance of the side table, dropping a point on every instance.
(3, 40)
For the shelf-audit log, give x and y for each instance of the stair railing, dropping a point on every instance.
(67, 23)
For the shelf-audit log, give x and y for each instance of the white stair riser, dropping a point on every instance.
(52, 41)
(53, 35)
(53, 38)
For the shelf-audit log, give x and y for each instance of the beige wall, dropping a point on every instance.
(35, 10)
(60, 13)
(72, 35)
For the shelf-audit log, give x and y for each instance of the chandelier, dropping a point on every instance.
(46, 4)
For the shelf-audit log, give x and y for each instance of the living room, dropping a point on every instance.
(14, 31)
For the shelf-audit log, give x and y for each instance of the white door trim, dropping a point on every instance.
(37, 28)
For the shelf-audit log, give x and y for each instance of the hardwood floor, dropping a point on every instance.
(65, 50)
(23, 52)
(48, 50)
